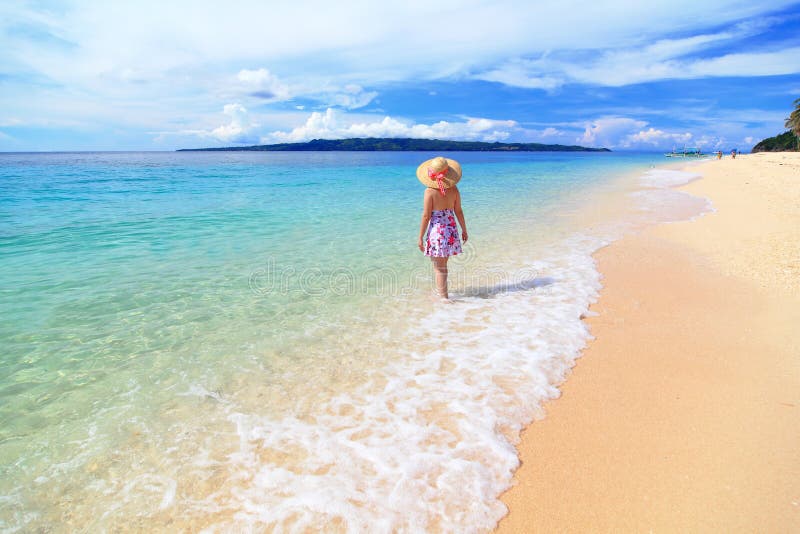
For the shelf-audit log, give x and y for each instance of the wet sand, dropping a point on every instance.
(683, 415)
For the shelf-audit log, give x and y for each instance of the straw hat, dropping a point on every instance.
(427, 171)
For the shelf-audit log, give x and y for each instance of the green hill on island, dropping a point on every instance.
(786, 141)
(404, 145)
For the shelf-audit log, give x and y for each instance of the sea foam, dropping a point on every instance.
(667, 178)
(427, 442)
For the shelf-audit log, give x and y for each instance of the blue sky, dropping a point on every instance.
(83, 75)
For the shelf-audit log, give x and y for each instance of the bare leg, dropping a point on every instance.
(440, 273)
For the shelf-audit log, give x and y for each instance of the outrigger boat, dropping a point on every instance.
(687, 152)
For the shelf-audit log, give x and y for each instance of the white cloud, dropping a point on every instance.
(522, 73)
(662, 60)
(709, 142)
(655, 138)
(260, 83)
(785, 61)
(619, 68)
(608, 131)
(628, 133)
(238, 130)
(333, 124)
(263, 85)
(551, 132)
(352, 96)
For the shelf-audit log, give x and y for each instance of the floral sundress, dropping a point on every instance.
(442, 240)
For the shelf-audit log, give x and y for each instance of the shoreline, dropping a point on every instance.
(669, 422)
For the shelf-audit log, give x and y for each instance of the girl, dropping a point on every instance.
(441, 206)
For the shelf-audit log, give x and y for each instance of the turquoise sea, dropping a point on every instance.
(241, 341)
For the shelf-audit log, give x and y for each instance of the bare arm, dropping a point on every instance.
(460, 216)
(427, 208)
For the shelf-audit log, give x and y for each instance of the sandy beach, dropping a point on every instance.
(683, 414)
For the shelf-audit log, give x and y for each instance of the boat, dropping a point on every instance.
(687, 152)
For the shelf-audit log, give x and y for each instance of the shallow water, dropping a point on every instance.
(247, 340)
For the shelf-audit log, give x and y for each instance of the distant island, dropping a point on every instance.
(360, 144)
(779, 143)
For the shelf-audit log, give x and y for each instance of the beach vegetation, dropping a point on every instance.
(793, 122)
(788, 140)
